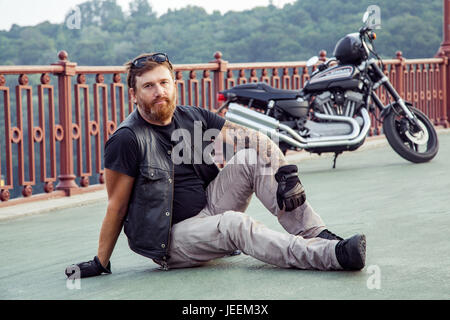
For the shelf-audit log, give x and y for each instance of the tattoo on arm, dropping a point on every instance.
(245, 138)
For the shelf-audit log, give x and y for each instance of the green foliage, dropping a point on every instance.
(109, 36)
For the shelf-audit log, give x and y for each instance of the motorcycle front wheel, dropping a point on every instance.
(417, 147)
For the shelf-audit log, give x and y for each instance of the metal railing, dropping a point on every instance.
(62, 139)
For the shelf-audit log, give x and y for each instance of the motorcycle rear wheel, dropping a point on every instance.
(415, 147)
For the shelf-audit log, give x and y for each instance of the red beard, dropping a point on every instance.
(159, 110)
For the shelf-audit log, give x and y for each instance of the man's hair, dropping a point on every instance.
(149, 65)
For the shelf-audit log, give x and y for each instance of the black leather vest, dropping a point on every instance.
(148, 221)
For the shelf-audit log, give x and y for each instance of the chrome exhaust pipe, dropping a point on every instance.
(259, 121)
(270, 127)
(267, 130)
(236, 109)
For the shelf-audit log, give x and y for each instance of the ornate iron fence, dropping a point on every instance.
(79, 107)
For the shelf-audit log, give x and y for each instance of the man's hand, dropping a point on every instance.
(90, 268)
(290, 192)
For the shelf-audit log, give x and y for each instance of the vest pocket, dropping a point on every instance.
(152, 186)
(152, 173)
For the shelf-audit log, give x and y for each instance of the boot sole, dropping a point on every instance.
(362, 251)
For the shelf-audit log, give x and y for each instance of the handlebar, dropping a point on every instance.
(367, 36)
(367, 31)
(363, 30)
(324, 65)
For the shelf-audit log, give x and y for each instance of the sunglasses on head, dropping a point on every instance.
(156, 57)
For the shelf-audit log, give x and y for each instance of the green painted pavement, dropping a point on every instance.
(401, 207)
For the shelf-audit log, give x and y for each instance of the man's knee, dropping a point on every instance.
(260, 165)
(251, 164)
(233, 222)
(236, 228)
(245, 157)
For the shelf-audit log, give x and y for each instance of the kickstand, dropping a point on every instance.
(336, 154)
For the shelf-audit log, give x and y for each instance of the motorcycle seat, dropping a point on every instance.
(272, 93)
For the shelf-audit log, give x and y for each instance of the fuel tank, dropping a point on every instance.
(345, 77)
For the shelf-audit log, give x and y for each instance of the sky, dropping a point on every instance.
(32, 12)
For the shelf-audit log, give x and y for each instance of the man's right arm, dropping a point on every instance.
(120, 155)
(119, 187)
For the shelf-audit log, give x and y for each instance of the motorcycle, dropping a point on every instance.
(331, 112)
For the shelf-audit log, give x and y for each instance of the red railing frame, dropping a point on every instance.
(429, 77)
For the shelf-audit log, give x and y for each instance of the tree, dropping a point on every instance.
(191, 35)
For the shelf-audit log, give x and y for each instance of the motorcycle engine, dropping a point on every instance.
(338, 103)
(345, 104)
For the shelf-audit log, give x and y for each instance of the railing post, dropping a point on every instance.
(444, 51)
(323, 55)
(219, 76)
(66, 175)
(400, 74)
(446, 90)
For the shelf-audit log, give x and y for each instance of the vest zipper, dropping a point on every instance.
(164, 264)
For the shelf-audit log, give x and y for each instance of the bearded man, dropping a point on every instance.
(184, 214)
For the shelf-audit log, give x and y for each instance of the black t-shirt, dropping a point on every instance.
(121, 154)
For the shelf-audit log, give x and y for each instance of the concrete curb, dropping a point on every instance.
(45, 206)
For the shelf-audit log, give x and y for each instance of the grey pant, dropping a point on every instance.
(222, 227)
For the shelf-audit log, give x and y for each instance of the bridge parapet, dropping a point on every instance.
(62, 140)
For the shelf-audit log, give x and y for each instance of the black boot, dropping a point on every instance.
(327, 234)
(235, 253)
(351, 252)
